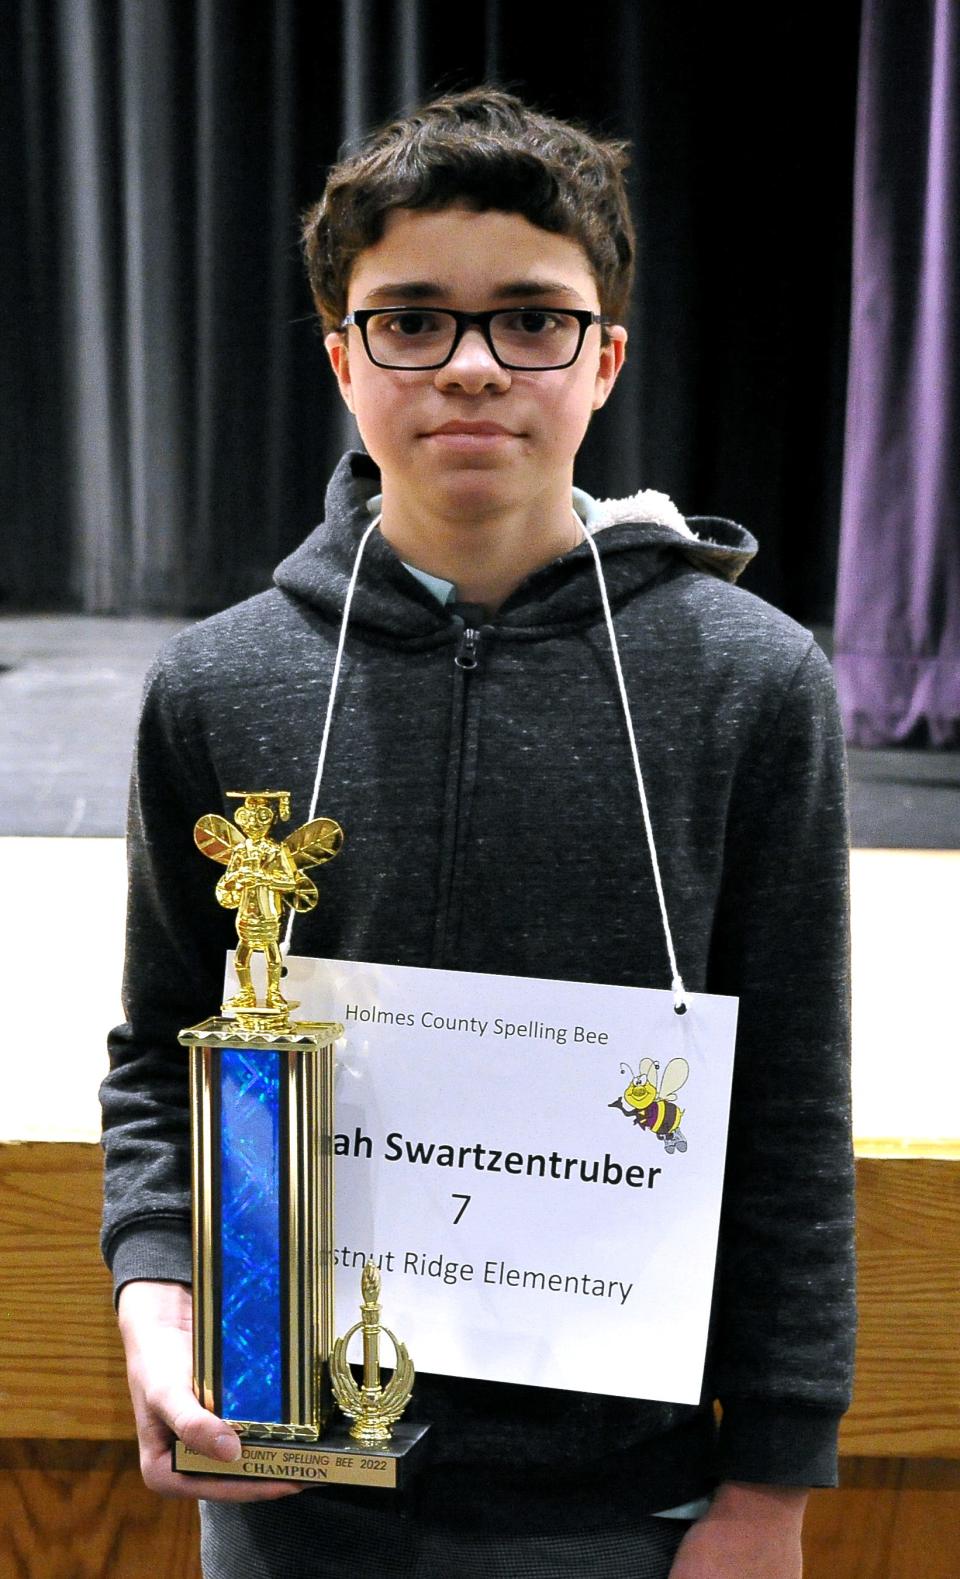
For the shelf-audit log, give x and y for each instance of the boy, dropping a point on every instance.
(471, 266)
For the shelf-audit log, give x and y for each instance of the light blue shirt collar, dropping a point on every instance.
(444, 591)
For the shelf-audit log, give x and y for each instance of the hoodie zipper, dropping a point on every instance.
(471, 641)
(467, 654)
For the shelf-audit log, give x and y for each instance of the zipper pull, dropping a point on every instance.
(467, 655)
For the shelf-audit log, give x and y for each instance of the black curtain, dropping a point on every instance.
(169, 423)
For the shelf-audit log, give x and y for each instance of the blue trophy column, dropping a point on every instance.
(251, 1312)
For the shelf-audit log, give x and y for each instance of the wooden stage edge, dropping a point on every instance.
(79, 1510)
(73, 1506)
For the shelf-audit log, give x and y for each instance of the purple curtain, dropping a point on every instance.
(898, 599)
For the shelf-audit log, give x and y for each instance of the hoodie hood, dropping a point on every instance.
(639, 539)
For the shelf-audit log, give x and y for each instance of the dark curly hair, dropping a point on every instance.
(487, 149)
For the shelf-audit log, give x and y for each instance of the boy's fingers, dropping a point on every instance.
(178, 1414)
(160, 1476)
(204, 1433)
(155, 1324)
(175, 1412)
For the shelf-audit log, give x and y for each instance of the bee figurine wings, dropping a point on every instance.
(312, 844)
(263, 877)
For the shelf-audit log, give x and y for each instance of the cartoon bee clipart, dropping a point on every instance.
(655, 1107)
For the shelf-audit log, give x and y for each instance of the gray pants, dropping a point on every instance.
(300, 1539)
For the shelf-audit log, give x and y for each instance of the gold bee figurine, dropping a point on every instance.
(263, 876)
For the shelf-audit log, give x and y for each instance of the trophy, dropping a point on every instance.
(262, 1132)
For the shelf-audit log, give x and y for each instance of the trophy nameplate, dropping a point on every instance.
(262, 1132)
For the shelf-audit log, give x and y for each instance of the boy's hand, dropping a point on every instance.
(750, 1532)
(156, 1324)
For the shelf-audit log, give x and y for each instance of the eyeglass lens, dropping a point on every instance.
(521, 337)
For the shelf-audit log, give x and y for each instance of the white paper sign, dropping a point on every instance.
(536, 1174)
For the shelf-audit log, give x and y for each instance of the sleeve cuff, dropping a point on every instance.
(158, 1252)
(777, 1444)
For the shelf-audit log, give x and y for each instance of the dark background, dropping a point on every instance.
(169, 419)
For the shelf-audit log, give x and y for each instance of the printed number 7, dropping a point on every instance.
(466, 1199)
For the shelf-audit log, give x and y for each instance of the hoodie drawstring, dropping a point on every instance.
(676, 984)
(334, 682)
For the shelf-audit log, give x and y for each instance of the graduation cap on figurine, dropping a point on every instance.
(253, 799)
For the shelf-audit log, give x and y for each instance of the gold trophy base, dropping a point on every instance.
(336, 1460)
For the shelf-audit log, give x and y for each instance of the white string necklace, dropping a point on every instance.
(676, 982)
(334, 683)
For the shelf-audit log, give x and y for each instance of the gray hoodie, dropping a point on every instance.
(493, 825)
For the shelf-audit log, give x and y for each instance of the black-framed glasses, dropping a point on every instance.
(522, 339)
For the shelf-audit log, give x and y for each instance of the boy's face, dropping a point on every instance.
(518, 430)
